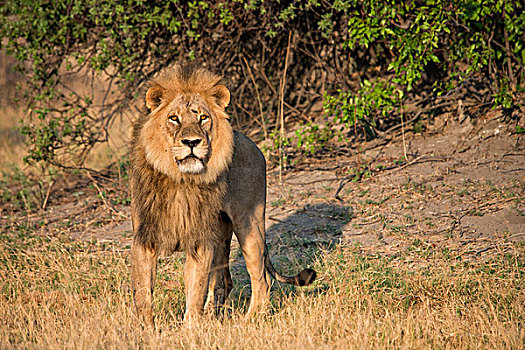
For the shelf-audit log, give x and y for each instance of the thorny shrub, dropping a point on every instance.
(364, 59)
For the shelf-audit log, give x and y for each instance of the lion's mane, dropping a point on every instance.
(171, 210)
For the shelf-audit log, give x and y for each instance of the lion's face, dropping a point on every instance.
(187, 134)
(189, 124)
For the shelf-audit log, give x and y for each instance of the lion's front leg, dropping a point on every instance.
(220, 284)
(196, 276)
(143, 273)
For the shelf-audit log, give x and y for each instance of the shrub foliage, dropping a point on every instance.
(363, 59)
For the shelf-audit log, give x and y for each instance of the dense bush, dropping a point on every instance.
(364, 59)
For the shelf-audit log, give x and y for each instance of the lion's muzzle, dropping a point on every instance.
(191, 155)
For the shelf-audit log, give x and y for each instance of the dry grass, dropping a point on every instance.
(12, 147)
(56, 294)
(59, 293)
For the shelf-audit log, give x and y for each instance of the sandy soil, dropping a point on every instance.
(461, 190)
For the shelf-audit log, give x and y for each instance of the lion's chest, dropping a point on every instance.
(179, 216)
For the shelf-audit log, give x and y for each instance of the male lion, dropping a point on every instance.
(195, 181)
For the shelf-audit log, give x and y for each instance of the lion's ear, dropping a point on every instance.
(154, 97)
(221, 95)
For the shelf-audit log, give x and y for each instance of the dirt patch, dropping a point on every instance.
(459, 189)
(462, 189)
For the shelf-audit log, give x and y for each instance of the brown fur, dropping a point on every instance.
(177, 211)
(186, 81)
(193, 183)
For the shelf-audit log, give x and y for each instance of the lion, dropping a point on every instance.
(194, 182)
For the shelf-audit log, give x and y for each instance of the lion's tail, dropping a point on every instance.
(303, 278)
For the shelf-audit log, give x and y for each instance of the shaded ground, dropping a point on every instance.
(461, 191)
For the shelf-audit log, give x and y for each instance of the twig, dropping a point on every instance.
(359, 176)
(252, 117)
(281, 117)
(418, 114)
(297, 111)
(403, 133)
(515, 235)
(413, 161)
(258, 98)
(25, 200)
(275, 219)
(457, 221)
(418, 160)
(482, 250)
(265, 77)
(507, 49)
(512, 170)
(294, 109)
(484, 205)
(47, 195)
(511, 54)
(341, 186)
(313, 182)
(101, 195)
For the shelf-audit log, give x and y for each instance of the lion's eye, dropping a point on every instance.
(204, 117)
(174, 119)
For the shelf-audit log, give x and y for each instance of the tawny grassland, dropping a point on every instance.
(59, 293)
(56, 294)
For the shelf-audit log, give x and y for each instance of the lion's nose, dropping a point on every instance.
(191, 142)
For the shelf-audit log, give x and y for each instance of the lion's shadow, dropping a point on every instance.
(295, 242)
